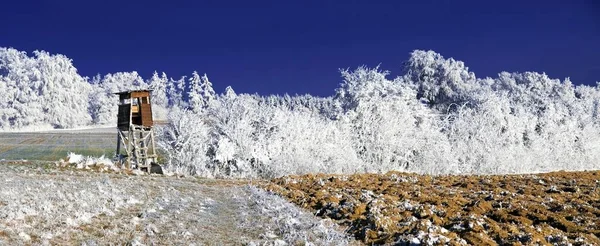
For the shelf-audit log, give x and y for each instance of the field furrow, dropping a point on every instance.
(560, 208)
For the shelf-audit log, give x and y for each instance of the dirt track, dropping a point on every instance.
(41, 204)
(544, 209)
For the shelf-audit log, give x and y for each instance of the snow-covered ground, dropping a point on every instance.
(87, 129)
(54, 145)
(48, 128)
(42, 204)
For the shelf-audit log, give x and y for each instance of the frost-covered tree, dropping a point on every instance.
(229, 93)
(208, 93)
(21, 94)
(391, 128)
(195, 93)
(9, 111)
(440, 81)
(175, 92)
(158, 85)
(99, 102)
(65, 92)
(160, 101)
(43, 89)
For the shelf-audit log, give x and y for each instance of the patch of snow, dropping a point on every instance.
(415, 241)
(85, 162)
(73, 158)
(25, 236)
(289, 224)
(407, 205)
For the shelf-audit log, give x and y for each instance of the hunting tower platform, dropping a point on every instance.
(135, 130)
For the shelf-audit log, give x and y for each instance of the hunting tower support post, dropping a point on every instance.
(135, 130)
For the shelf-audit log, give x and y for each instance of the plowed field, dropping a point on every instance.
(559, 208)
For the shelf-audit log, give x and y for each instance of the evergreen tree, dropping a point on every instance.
(208, 93)
(195, 93)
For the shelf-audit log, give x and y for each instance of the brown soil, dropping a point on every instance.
(543, 209)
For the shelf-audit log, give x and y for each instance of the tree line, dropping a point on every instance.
(437, 118)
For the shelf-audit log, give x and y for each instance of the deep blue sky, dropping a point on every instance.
(297, 47)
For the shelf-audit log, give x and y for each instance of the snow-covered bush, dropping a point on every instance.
(185, 140)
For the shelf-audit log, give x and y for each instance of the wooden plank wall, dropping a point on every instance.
(146, 115)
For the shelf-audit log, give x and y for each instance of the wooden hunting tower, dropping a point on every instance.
(135, 130)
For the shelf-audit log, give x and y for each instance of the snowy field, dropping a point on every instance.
(42, 204)
(56, 144)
